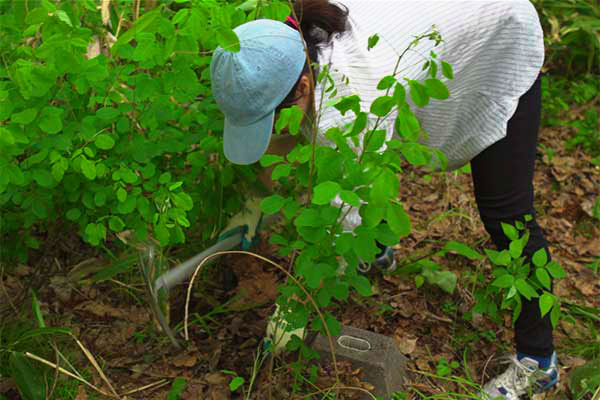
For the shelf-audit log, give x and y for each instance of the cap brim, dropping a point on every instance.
(247, 144)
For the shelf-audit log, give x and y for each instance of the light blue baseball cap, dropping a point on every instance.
(250, 84)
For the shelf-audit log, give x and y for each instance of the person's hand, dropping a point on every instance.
(247, 221)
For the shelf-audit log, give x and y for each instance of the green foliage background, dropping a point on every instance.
(124, 138)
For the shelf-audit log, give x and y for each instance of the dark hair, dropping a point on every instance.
(319, 21)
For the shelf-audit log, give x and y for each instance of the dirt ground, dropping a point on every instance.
(111, 320)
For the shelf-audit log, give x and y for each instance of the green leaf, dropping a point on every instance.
(447, 70)
(463, 250)
(525, 289)
(382, 106)
(269, 159)
(28, 379)
(386, 82)
(6, 136)
(121, 194)
(88, 168)
(333, 324)
(177, 388)
(359, 124)
(107, 113)
(343, 243)
(361, 284)
(228, 40)
(116, 224)
(445, 280)
(24, 117)
(407, 125)
(272, 204)
(555, 270)
(283, 119)
(374, 140)
(58, 169)
(39, 210)
(348, 103)
(546, 303)
(515, 248)
(325, 192)
(73, 214)
(350, 198)
(148, 171)
(141, 24)
(504, 281)
(280, 171)
(296, 115)
(384, 188)
(180, 16)
(100, 199)
(162, 234)
(51, 120)
(399, 94)
(498, 257)
(37, 311)
(418, 93)
(543, 277)
(64, 17)
(104, 142)
(164, 178)
(398, 219)
(371, 214)
(128, 205)
(341, 291)
(540, 258)
(372, 41)
(419, 281)
(308, 217)
(436, 89)
(39, 332)
(510, 231)
(236, 383)
(172, 187)
(44, 178)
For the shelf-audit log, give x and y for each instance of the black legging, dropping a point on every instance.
(503, 180)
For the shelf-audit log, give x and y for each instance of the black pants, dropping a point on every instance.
(503, 180)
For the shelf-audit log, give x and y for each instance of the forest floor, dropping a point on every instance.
(445, 351)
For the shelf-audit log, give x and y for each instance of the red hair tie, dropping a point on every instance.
(293, 22)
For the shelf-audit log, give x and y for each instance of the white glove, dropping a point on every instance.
(277, 334)
(246, 220)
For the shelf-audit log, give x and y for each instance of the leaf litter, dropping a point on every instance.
(426, 323)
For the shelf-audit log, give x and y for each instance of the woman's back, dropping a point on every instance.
(494, 46)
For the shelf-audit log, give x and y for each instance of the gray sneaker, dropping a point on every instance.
(522, 377)
(385, 262)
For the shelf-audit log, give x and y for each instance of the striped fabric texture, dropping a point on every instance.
(495, 47)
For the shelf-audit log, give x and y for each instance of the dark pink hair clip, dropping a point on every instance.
(293, 22)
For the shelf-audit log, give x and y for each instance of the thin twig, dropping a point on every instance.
(442, 319)
(92, 360)
(119, 24)
(154, 385)
(596, 395)
(485, 367)
(308, 296)
(137, 9)
(64, 371)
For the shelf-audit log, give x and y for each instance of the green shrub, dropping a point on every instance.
(572, 35)
(123, 138)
